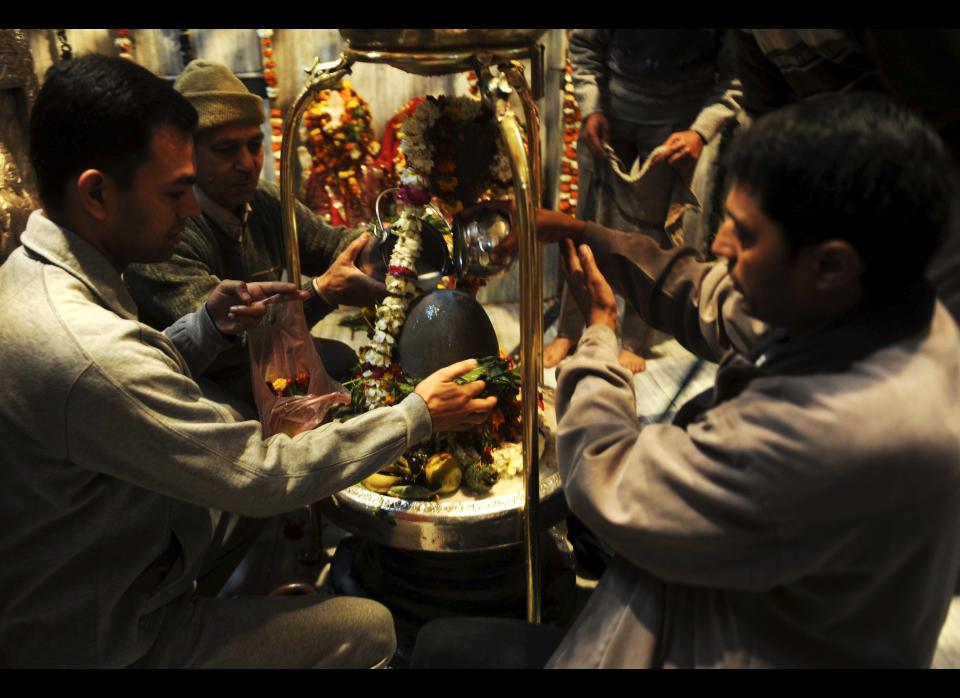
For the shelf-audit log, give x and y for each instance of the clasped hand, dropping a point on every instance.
(236, 306)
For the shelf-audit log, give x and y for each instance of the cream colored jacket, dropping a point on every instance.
(114, 469)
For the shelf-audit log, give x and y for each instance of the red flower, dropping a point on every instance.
(394, 270)
(414, 196)
(303, 380)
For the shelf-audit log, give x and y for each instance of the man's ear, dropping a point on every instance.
(92, 193)
(837, 265)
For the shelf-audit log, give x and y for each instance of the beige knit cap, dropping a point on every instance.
(218, 95)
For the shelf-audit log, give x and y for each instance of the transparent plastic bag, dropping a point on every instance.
(291, 387)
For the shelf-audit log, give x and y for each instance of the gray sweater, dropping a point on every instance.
(804, 512)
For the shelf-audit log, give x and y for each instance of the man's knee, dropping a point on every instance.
(372, 640)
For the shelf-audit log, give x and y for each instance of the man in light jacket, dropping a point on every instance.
(120, 483)
(806, 510)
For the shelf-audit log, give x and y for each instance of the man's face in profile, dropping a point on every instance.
(150, 215)
(761, 265)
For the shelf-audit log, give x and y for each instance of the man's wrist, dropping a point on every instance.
(603, 317)
(213, 321)
(319, 290)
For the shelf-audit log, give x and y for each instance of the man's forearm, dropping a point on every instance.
(675, 291)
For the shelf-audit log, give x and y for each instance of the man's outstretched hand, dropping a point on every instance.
(454, 407)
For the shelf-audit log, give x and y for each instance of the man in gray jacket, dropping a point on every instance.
(120, 484)
(806, 510)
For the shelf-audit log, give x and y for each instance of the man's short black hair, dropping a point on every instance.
(855, 167)
(99, 112)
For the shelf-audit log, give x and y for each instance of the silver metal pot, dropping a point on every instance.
(484, 243)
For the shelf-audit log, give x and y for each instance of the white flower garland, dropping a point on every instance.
(377, 357)
(392, 313)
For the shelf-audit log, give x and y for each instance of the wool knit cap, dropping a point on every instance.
(218, 95)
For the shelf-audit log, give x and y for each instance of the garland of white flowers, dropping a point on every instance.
(377, 358)
(392, 312)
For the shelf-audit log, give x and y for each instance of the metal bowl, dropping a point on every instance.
(459, 522)
(483, 243)
(437, 39)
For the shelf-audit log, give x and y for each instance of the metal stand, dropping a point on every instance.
(496, 92)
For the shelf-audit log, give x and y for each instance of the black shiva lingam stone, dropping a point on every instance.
(444, 327)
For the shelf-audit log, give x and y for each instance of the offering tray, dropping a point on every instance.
(460, 522)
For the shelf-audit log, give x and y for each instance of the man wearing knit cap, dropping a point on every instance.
(239, 234)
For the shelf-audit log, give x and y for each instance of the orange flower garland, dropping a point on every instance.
(124, 44)
(270, 77)
(567, 201)
(345, 178)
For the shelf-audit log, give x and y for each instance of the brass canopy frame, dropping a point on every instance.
(526, 168)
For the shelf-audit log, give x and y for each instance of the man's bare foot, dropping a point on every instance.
(630, 361)
(557, 350)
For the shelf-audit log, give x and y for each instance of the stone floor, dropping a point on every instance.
(289, 551)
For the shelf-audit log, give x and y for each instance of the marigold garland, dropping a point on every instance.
(345, 177)
(482, 454)
(270, 78)
(427, 142)
(124, 44)
(569, 173)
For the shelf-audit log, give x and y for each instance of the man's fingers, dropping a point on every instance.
(591, 270)
(243, 293)
(254, 310)
(349, 255)
(458, 369)
(482, 406)
(264, 289)
(375, 288)
(474, 388)
(573, 259)
(231, 287)
(586, 259)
